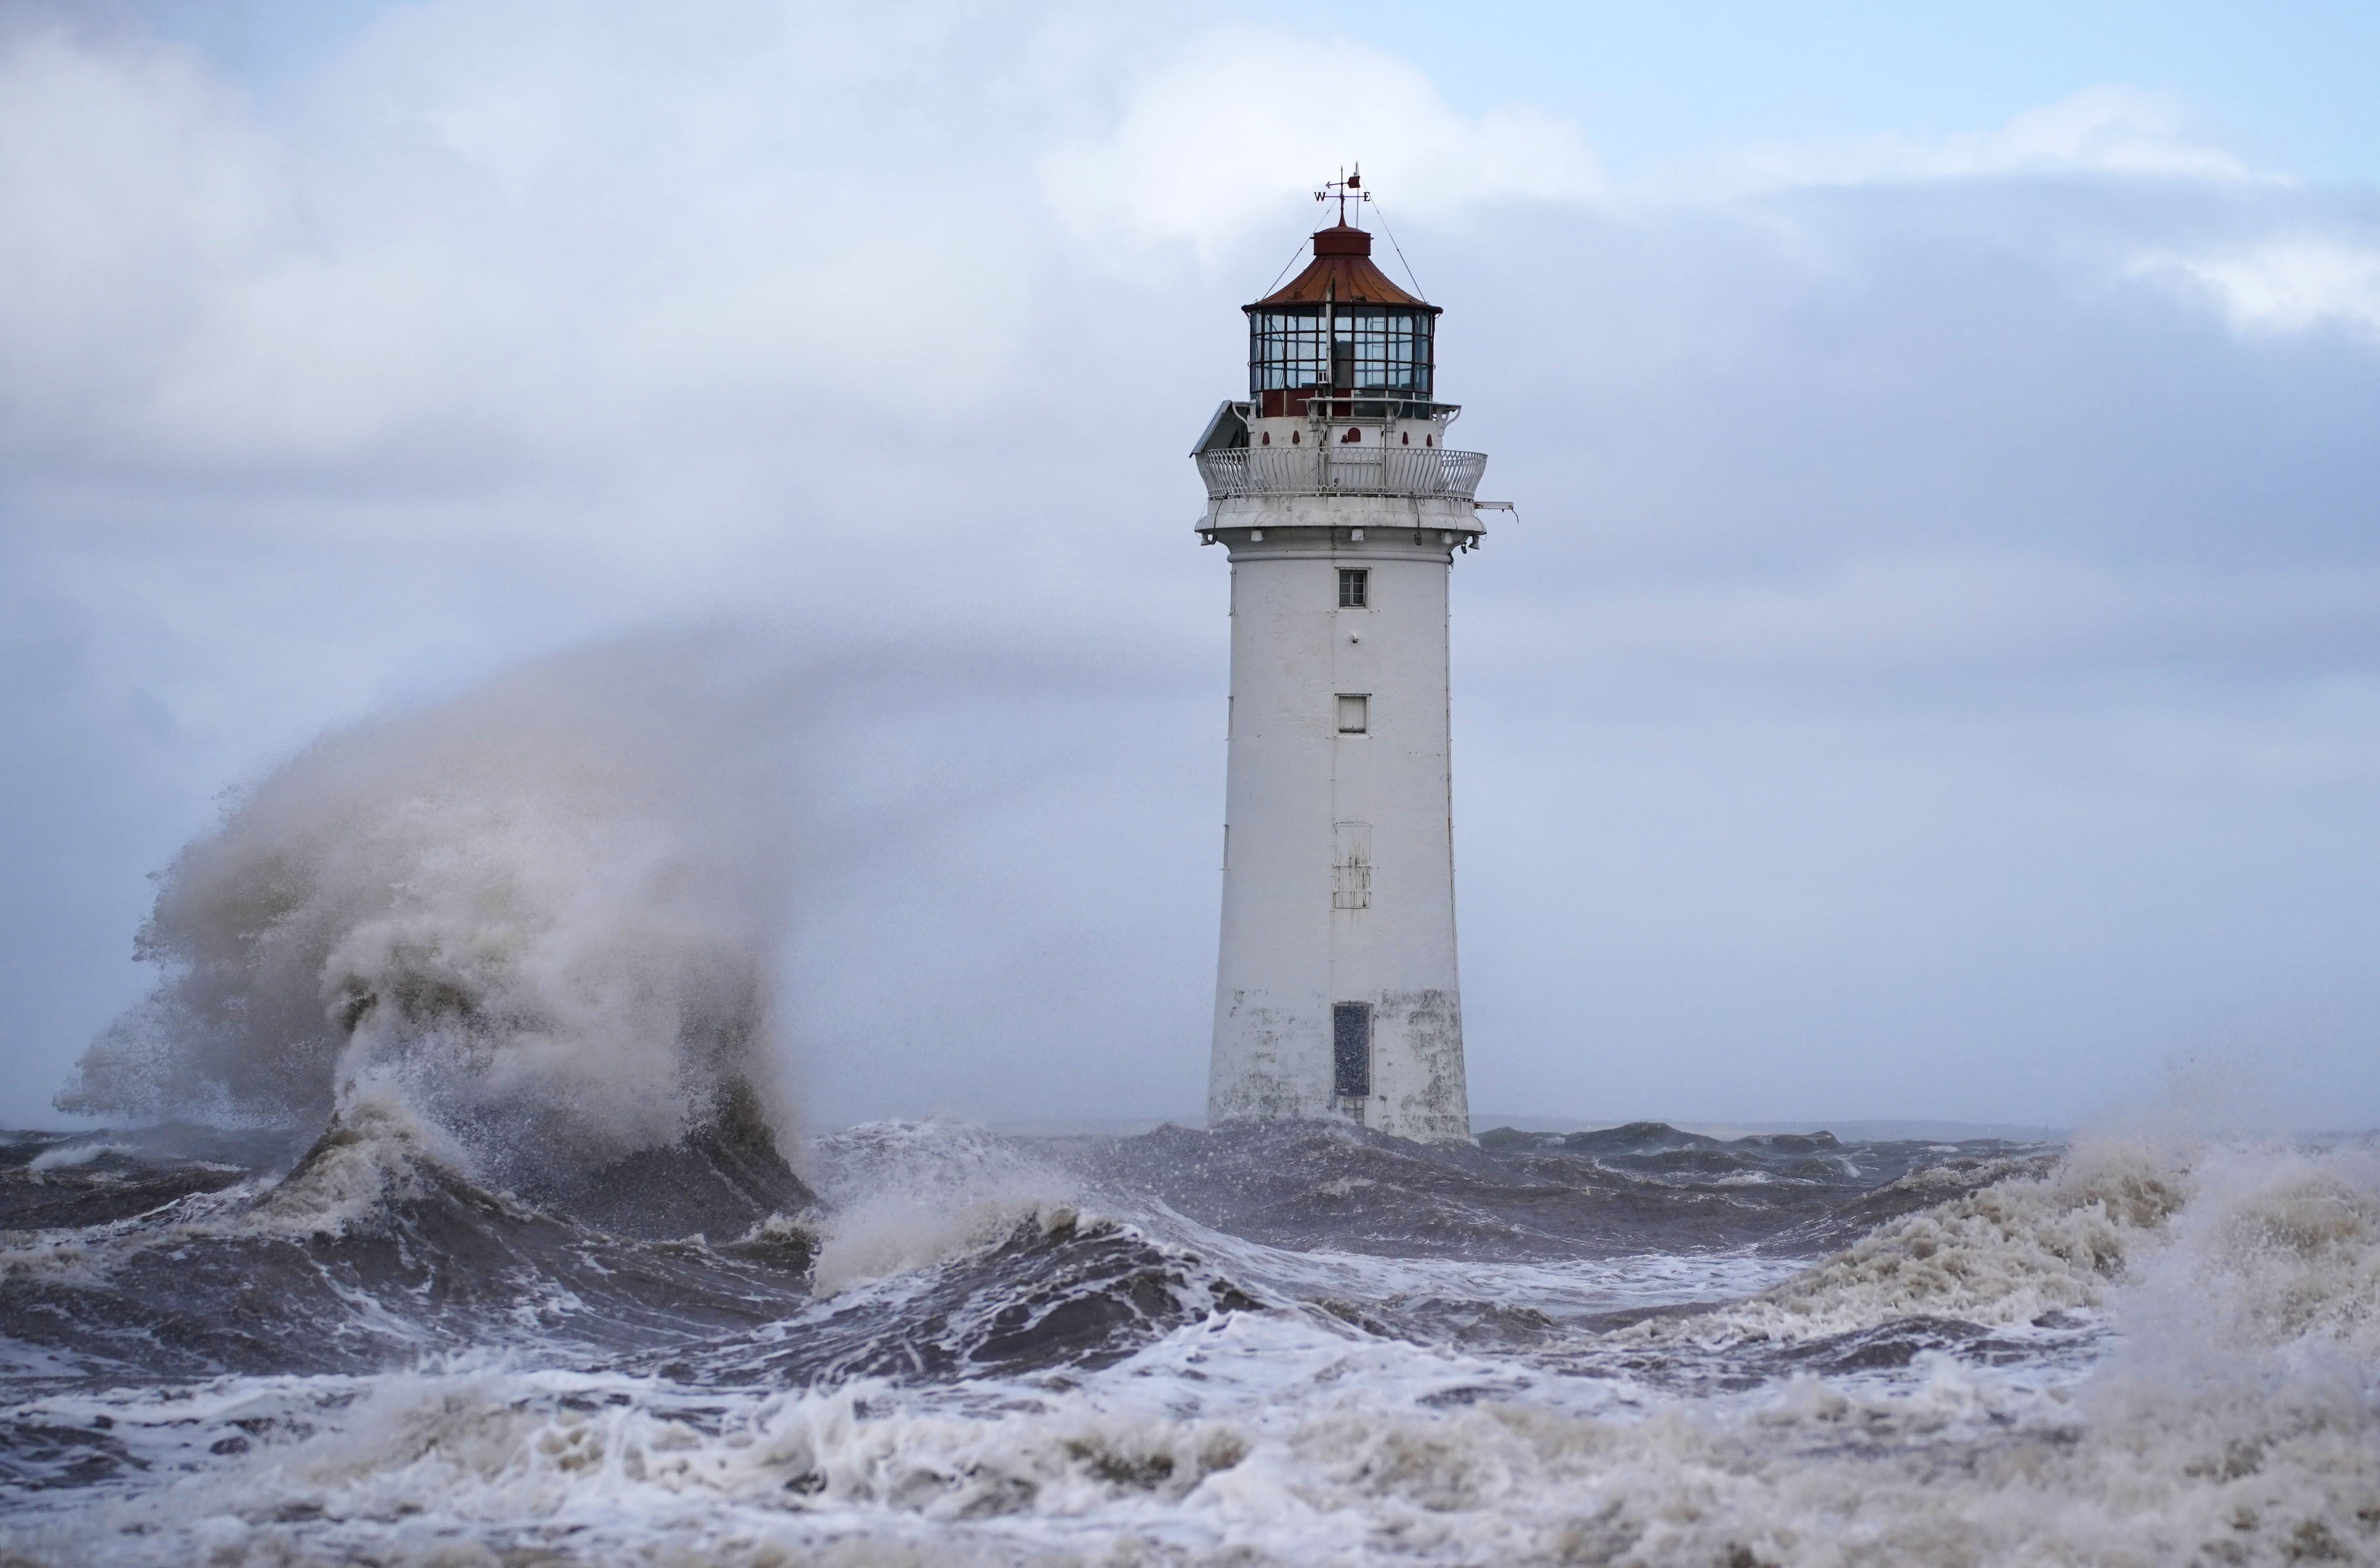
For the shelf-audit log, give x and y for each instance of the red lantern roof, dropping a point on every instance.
(1342, 269)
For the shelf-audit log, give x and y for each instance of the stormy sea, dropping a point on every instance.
(1289, 1344)
(455, 1212)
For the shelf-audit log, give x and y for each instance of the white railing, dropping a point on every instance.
(1350, 470)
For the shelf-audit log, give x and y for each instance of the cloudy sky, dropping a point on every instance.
(1934, 671)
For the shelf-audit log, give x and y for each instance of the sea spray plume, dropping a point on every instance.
(545, 913)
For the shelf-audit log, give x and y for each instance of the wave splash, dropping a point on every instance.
(543, 914)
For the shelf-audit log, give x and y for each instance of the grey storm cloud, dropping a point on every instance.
(1931, 670)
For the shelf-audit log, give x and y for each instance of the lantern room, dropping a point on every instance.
(1341, 332)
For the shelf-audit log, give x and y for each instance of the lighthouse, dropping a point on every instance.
(1341, 508)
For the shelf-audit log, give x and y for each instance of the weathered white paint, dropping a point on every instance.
(1339, 857)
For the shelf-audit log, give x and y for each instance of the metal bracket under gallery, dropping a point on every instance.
(1333, 541)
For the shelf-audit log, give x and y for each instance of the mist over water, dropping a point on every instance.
(494, 1253)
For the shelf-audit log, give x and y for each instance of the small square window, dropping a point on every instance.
(1354, 712)
(1355, 588)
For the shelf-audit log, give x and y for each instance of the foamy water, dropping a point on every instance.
(2134, 1354)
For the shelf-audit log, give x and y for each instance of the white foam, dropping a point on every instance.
(68, 1155)
(2239, 1423)
(2011, 1252)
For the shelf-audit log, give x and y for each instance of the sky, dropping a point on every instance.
(1932, 671)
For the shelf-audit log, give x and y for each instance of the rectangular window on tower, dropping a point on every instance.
(1351, 1049)
(1355, 588)
(1355, 713)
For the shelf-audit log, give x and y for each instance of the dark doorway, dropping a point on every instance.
(1351, 1049)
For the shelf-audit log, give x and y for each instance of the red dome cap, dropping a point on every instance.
(1342, 269)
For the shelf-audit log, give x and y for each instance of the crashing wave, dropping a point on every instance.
(2011, 1252)
(544, 915)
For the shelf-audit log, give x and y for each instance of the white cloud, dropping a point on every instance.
(131, 186)
(1222, 136)
(478, 239)
(2281, 285)
(2112, 130)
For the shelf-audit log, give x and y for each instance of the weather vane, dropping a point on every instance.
(1345, 189)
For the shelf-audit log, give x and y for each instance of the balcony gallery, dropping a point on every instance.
(1340, 469)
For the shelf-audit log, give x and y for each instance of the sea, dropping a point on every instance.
(1297, 1343)
(458, 1213)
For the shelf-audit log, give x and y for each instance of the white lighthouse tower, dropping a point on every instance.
(1332, 488)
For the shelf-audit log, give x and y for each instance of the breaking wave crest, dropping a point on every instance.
(905, 1196)
(2018, 1250)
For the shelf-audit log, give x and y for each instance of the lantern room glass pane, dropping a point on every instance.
(1373, 347)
